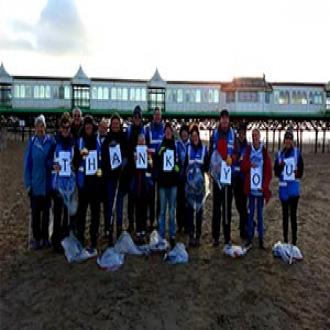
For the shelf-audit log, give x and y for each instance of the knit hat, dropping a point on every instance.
(40, 120)
(184, 127)
(137, 112)
(288, 134)
(224, 113)
(168, 124)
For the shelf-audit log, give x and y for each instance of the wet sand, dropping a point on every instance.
(41, 290)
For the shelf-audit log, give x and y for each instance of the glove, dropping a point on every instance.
(176, 168)
(161, 150)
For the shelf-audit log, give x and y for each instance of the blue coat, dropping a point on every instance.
(38, 164)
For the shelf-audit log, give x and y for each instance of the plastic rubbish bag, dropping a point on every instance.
(287, 252)
(195, 186)
(126, 245)
(66, 186)
(110, 260)
(215, 167)
(178, 255)
(74, 251)
(157, 244)
(234, 251)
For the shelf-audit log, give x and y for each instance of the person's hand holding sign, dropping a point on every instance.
(229, 161)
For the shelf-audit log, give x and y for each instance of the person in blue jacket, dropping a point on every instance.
(63, 221)
(197, 156)
(289, 168)
(38, 164)
(181, 149)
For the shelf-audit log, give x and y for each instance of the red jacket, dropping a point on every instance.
(267, 172)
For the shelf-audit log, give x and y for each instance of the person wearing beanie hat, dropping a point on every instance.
(240, 146)
(222, 142)
(167, 178)
(38, 163)
(154, 137)
(289, 168)
(89, 176)
(114, 160)
(181, 149)
(196, 165)
(133, 131)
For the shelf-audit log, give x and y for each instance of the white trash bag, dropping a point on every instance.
(74, 251)
(234, 251)
(157, 244)
(125, 245)
(287, 252)
(110, 260)
(178, 255)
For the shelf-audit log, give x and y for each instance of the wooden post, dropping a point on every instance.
(323, 143)
(316, 134)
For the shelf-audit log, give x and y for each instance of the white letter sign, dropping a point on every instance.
(288, 171)
(64, 160)
(91, 162)
(225, 177)
(141, 157)
(115, 156)
(168, 160)
(256, 178)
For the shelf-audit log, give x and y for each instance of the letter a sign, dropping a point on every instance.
(168, 160)
(141, 157)
(288, 171)
(64, 160)
(225, 177)
(115, 156)
(91, 162)
(256, 178)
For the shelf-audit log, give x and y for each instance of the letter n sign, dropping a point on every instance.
(91, 162)
(168, 160)
(288, 171)
(141, 157)
(64, 160)
(256, 178)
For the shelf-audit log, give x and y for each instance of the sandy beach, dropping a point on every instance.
(40, 290)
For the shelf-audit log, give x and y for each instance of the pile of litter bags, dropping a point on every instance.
(113, 257)
(287, 252)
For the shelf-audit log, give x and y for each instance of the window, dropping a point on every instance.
(55, 92)
(99, 93)
(179, 96)
(315, 98)
(299, 97)
(143, 94)
(132, 94)
(36, 92)
(230, 97)
(198, 96)
(284, 97)
(156, 98)
(138, 94)
(94, 93)
(47, 92)
(16, 91)
(41, 92)
(61, 92)
(105, 93)
(67, 92)
(113, 93)
(216, 96)
(81, 96)
(248, 97)
(28, 91)
(267, 97)
(5, 95)
(276, 97)
(124, 94)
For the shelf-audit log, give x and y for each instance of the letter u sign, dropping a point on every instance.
(288, 171)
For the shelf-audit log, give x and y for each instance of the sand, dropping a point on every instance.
(41, 290)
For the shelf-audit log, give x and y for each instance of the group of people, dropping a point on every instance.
(158, 170)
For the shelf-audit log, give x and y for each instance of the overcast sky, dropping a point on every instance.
(287, 40)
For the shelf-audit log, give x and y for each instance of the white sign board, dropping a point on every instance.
(115, 156)
(141, 157)
(288, 171)
(168, 160)
(91, 162)
(64, 160)
(256, 178)
(225, 177)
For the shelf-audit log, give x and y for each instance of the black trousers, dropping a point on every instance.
(194, 231)
(40, 206)
(181, 208)
(88, 197)
(222, 209)
(141, 213)
(241, 205)
(291, 206)
(61, 221)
